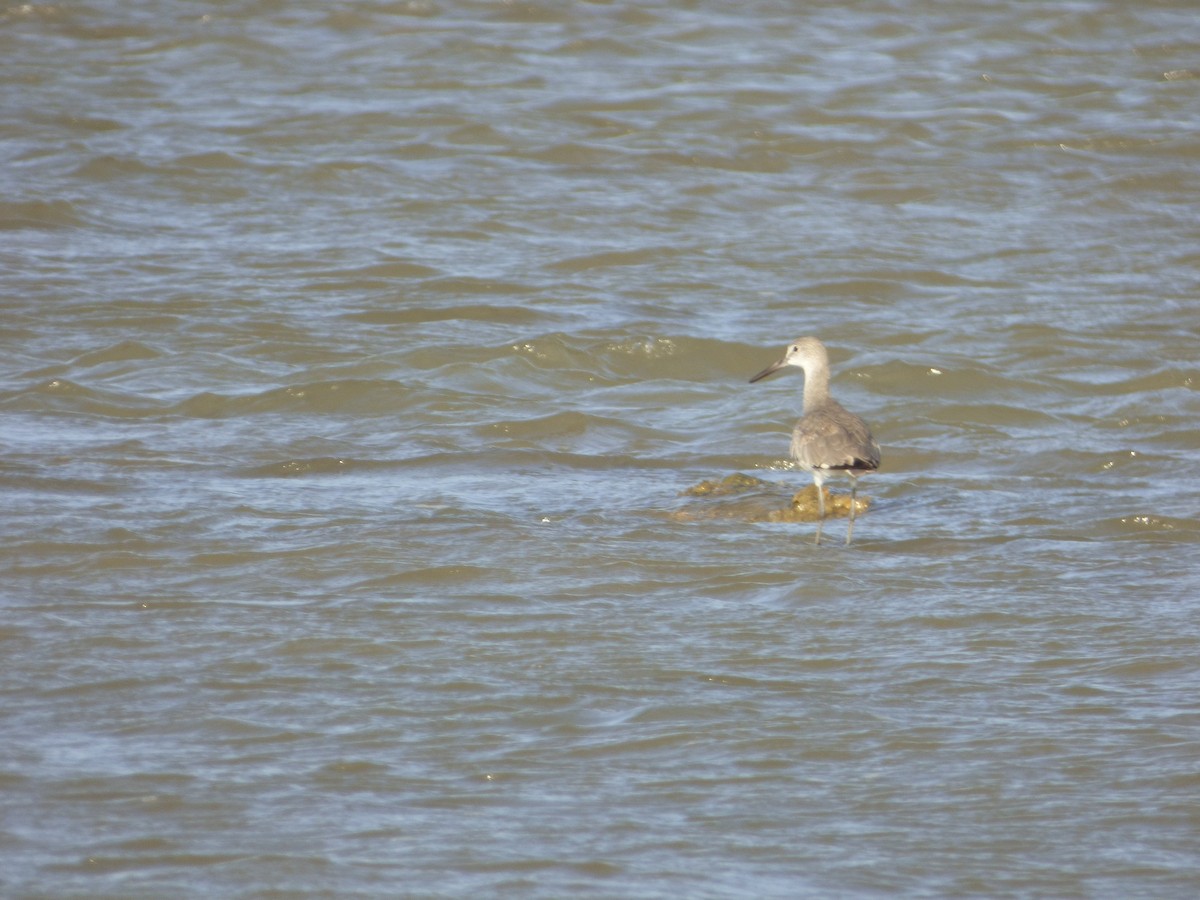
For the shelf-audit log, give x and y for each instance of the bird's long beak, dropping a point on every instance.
(769, 370)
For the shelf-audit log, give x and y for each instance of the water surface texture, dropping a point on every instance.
(356, 359)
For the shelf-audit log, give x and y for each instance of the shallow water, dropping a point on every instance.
(357, 360)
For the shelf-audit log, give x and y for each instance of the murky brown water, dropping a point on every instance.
(356, 361)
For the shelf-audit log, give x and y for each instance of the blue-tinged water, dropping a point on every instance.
(357, 364)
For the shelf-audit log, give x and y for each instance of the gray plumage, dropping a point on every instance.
(828, 439)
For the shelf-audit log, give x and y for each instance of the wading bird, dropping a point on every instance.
(828, 439)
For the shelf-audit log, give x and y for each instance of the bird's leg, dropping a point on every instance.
(820, 508)
(853, 503)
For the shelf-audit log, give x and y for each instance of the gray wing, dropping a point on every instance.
(832, 437)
